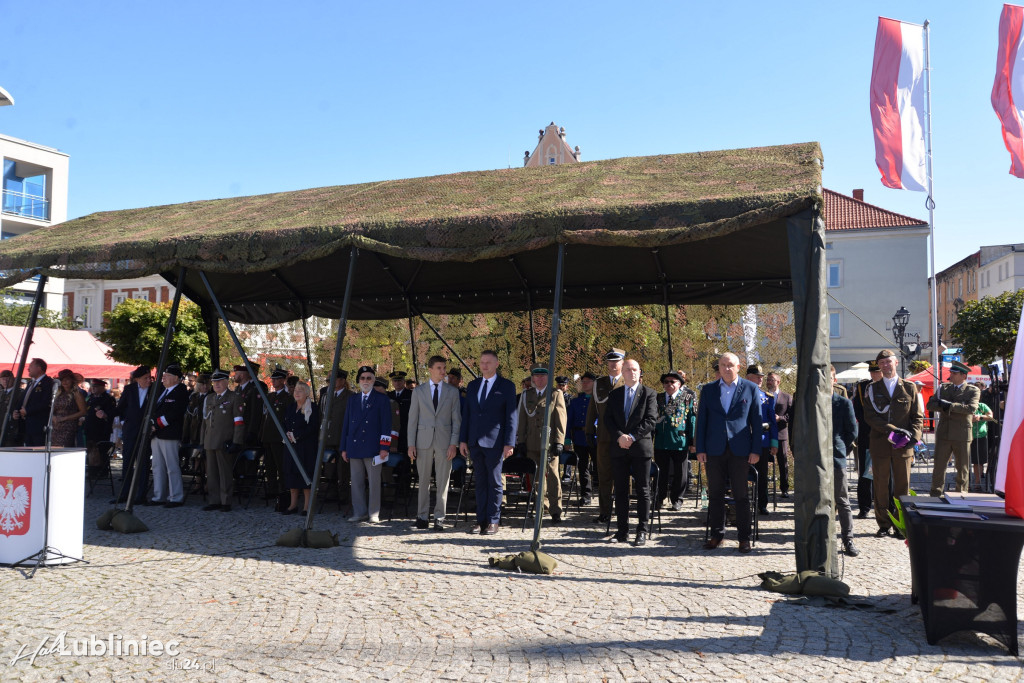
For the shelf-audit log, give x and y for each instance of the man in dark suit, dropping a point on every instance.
(35, 407)
(729, 436)
(630, 417)
(273, 445)
(844, 433)
(11, 396)
(252, 405)
(335, 423)
(97, 428)
(131, 409)
(168, 424)
(783, 416)
(488, 435)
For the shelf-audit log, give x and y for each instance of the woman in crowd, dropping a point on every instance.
(302, 426)
(68, 406)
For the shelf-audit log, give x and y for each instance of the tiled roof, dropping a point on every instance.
(847, 213)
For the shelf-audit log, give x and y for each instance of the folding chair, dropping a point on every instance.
(105, 451)
(731, 500)
(329, 479)
(467, 485)
(249, 474)
(521, 469)
(570, 459)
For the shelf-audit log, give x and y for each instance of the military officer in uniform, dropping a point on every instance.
(403, 397)
(532, 408)
(595, 414)
(956, 402)
(194, 422)
(222, 436)
(252, 406)
(895, 414)
(273, 444)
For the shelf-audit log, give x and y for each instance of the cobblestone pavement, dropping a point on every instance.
(394, 603)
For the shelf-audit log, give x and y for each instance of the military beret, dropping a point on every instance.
(561, 379)
(671, 374)
(588, 375)
(398, 374)
(141, 371)
(755, 369)
(885, 353)
(380, 383)
(174, 369)
(219, 374)
(366, 368)
(203, 378)
(279, 373)
(456, 371)
(957, 366)
(615, 354)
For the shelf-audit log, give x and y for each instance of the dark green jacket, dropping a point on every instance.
(676, 422)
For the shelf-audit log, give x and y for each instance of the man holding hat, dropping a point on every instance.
(956, 402)
(769, 437)
(582, 445)
(860, 405)
(273, 444)
(532, 409)
(595, 414)
(895, 413)
(168, 428)
(222, 436)
(673, 439)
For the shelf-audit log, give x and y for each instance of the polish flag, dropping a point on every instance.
(1010, 471)
(897, 104)
(1008, 89)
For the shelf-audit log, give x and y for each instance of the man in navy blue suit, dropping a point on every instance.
(35, 408)
(488, 434)
(365, 444)
(729, 434)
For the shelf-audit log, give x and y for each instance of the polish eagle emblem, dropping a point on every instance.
(15, 493)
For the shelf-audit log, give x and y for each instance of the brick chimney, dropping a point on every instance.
(858, 195)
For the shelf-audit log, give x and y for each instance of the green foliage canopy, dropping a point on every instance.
(987, 329)
(135, 332)
(17, 315)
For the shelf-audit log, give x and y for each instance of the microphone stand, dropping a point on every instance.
(47, 551)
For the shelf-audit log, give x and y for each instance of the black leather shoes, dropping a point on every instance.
(641, 538)
(621, 537)
(849, 549)
(422, 523)
(744, 546)
(882, 533)
(490, 530)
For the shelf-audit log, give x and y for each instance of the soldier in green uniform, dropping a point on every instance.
(531, 424)
(273, 444)
(595, 413)
(222, 434)
(955, 401)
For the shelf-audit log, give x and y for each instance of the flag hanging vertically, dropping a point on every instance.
(1010, 471)
(897, 104)
(1008, 89)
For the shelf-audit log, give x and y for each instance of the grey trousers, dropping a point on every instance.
(438, 459)
(364, 470)
(167, 485)
(842, 496)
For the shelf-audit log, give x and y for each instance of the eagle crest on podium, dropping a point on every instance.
(15, 505)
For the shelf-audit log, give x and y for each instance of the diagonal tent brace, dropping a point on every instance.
(545, 434)
(33, 317)
(447, 345)
(329, 394)
(252, 373)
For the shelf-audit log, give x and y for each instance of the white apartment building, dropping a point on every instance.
(1000, 269)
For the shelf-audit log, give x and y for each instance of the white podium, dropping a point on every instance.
(23, 505)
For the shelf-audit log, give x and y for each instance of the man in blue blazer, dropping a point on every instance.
(488, 435)
(729, 435)
(35, 408)
(366, 443)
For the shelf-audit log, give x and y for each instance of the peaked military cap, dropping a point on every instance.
(203, 378)
(219, 374)
(957, 366)
(754, 369)
(615, 354)
(279, 373)
(561, 379)
(242, 368)
(380, 382)
(873, 366)
(538, 369)
(398, 374)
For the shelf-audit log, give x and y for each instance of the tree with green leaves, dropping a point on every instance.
(17, 315)
(987, 329)
(135, 332)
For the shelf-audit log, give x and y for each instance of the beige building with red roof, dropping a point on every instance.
(877, 262)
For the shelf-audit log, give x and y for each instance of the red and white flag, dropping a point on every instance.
(1008, 90)
(897, 104)
(1010, 471)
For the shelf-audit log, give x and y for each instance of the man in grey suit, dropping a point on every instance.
(435, 416)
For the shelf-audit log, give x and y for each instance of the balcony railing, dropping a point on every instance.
(26, 205)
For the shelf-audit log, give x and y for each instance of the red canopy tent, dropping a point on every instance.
(74, 349)
(926, 377)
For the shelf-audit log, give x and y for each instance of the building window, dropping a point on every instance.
(828, 245)
(551, 161)
(117, 298)
(835, 273)
(143, 294)
(835, 327)
(960, 286)
(87, 311)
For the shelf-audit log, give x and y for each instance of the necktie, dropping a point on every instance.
(436, 387)
(483, 392)
(629, 399)
(366, 400)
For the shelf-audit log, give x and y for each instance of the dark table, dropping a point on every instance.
(964, 571)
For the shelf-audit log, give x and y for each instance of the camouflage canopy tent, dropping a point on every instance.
(736, 226)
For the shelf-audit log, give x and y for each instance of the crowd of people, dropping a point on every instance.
(607, 433)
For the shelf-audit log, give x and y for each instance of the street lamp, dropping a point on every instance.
(899, 327)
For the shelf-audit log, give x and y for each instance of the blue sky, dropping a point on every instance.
(168, 102)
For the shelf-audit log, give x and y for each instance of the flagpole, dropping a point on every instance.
(930, 204)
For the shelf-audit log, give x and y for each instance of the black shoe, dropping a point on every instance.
(849, 549)
(898, 534)
(151, 503)
(211, 507)
(785, 494)
(863, 514)
(173, 504)
(641, 538)
(438, 526)
(586, 501)
(422, 523)
(882, 533)
(764, 512)
(621, 537)
(556, 520)
(289, 511)
(225, 508)
(602, 519)
(677, 506)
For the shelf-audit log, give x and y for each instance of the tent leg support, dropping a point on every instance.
(545, 434)
(30, 328)
(252, 373)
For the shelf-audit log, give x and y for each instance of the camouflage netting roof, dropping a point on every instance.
(417, 227)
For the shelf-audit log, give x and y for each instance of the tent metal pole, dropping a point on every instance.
(447, 345)
(309, 353)
(140, 442)
(252, 373)
(412, 342)
(664, 300)
(30, 328)
(329, 394)
(533, 336)
(545, 433)
(212, 333)
(529, 306)
(668, 330)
